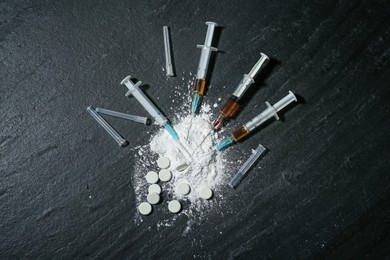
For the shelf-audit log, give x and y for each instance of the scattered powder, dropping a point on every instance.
(206, 167)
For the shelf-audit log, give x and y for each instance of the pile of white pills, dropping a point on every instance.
(165, 175)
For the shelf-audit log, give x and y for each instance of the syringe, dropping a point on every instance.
(200, 81)
(148, 105)
(245, 129)
(232, 105)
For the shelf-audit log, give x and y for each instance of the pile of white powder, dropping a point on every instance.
(205, 165)
(197, 149)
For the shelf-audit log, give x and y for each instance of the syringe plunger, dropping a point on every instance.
(210, 33)
(263, 61)
(285, 101)
(271, 111)
(248, 79)
(206, 51)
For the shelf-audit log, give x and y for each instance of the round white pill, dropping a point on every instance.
(174, 206)
(152, 177)
(154, 188)
(145, 208)
(153, 198)
(165, 175)
(183, 188)
(163, 162)
(205, 193)
(181, 167)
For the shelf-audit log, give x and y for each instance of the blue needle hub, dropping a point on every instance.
(225, 143)
(171, 131)
(195, 103)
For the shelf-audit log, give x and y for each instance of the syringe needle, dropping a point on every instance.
(184, 150)
(204, 157)
(189, 128)
(202, 141)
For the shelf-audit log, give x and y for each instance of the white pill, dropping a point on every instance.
(154, 188)
(165, 175)
(145, 208)
(152, 177)
(174, 206)
(163, 162)
(205, 193)
(181, 167)
(183, 188)
(153, 198)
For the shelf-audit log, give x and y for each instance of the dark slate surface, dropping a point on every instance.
(322, 191)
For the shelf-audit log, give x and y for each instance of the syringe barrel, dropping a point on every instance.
(285, 101)
(146, 103)
(206, 51)
(260, 119)
(248, 79)
(261, 63)
(203, 62)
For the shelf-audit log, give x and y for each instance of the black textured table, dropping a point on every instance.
(322, 191)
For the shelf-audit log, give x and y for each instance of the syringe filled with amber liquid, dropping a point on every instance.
(200, 81)
(232, 105)
(244, 130)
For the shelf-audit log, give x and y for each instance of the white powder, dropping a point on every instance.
(206, 167)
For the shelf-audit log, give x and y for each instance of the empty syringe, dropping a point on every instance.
(200, 80)
(232, 105)
(148, 105)
(245, 129)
